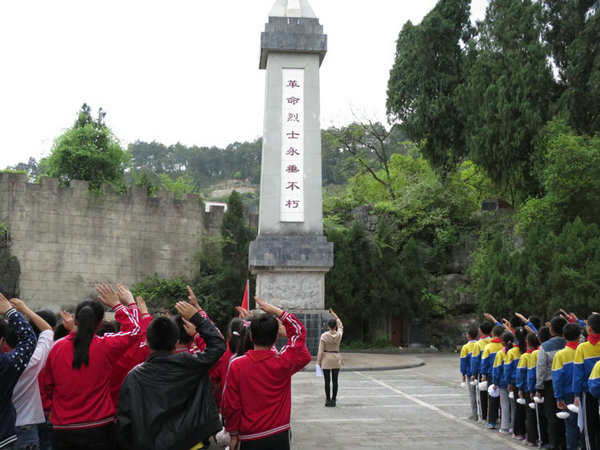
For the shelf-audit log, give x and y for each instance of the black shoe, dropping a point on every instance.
(328, 403)
(333, 402)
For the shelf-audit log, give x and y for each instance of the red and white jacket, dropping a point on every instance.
(81, 397)
(257, 396)
(135, 355)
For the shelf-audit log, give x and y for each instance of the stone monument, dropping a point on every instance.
(290, 255)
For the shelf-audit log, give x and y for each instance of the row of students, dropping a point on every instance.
(544, 383)
(153, 383)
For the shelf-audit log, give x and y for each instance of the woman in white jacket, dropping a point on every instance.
(329, 357)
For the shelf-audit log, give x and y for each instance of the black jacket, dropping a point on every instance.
(167, 402)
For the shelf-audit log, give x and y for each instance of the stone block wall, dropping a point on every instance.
(68, 239)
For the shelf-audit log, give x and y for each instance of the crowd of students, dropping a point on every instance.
(142, 382)
(538, 383)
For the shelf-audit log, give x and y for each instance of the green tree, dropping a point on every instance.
(568, 169)
(507, 94)
(87, 151)
(370, 146)
(423, 85)
(349, 283)
(571, 31)
(183, 185)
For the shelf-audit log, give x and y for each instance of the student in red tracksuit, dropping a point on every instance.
(77, 378)
(138, 352)
(257, 396)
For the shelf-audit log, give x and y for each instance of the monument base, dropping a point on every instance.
(292, 290)
(290, 270)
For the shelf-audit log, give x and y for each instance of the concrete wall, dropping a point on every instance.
(68, 239)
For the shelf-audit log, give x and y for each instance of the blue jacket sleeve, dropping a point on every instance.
(557, 384)
(532, 326)
(26, 340)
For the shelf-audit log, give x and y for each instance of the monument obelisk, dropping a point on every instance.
(290, 255)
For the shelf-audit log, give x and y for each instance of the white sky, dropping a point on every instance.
(182, 70)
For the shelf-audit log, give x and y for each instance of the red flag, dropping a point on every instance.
(246, 299)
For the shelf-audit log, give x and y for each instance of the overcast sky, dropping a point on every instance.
(182, 70)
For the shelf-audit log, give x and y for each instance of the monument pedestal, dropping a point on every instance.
(290, 273)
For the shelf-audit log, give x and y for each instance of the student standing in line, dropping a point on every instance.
(487, 362)
(499, 380)
(167, 402)
(544, 388)
(586, 356)
(562, 381)
(26, 394)
(465, 368)
(329, 358)
(476, 374)
(12, 365)
(77, 375)
(257, 398)
(511, 362)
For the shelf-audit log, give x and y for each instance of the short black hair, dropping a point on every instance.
(48, 316)
(516, 322)
(264, 328)
(544, 334)
(184, 338)
(332, 323)
(571, 331)
(557, 324)
(594, 323)
(536, 321)
(107, 327)
(473, 331)
(486, 327)
(60, 332)
(162, 334)
(497, 330)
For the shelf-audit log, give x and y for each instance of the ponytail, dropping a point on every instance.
(87, 317)
(245, 342)
(508, 338)
(235, 330)
(521, 337)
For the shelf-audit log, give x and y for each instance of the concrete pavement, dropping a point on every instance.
(421, 407)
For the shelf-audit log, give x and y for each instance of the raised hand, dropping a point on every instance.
(142, 306)
(107, 295)
(243, 312)
(333, 314)
(489, 317)
(19, 305)
(68, 320)
(185, 310)
(4, 304)
(521, 316)
(267, 307)
(125, 294)
(192, 298)
(281, 331)
(189, 327)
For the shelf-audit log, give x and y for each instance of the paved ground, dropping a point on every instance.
(421, 407)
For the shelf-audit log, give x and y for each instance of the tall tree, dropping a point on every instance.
(87, 151)
(507, 94)
(572, 30)
(423, 85)
(370, 146)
